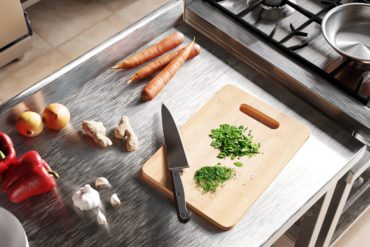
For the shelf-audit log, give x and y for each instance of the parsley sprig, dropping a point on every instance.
(232, 142)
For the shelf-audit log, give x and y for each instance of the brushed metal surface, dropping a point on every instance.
(347, 30)
(146, 218)
(349, 112)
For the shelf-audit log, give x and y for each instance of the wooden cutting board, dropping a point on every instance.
(280, 137)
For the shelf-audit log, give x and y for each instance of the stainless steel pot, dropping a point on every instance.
(347, 29)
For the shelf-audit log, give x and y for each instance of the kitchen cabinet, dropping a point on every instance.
(15, 31)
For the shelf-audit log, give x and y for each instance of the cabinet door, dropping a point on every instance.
(12, 23)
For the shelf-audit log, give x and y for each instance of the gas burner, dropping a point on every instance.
(274, 3)
(356, 78)
(364, 90)
(272, 9)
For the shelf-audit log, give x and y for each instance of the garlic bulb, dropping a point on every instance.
(115, 201)
(102, 183)
(86, 198)
(102, 220)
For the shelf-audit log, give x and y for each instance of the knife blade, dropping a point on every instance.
(176, 161)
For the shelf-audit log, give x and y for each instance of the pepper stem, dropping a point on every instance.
(54, 173)
(2, 155)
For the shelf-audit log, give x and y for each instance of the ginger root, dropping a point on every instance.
(96, 131)
(125, 131)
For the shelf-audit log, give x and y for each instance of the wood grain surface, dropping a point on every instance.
(228, 204)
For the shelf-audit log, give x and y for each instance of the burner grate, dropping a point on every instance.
(296, 38)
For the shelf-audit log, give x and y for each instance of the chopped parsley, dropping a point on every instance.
(210, 177)
(232, 142)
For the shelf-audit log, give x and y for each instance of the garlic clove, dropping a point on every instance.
(86, 198)
(102, 220)
(102, 183)
(115, 201)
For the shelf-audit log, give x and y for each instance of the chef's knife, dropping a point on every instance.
(176, 161)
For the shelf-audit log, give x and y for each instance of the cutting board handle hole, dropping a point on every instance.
(259, 116)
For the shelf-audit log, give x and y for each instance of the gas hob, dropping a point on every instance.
(295, 27)
(283, 38)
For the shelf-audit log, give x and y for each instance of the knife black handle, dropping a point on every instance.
(183, 213)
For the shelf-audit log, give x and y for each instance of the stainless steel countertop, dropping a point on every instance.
(146, 218)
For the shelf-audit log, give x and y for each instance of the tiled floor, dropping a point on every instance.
(356, 236)
(64, 30)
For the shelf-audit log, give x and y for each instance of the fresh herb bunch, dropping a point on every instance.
(210, 177)
(232, 142)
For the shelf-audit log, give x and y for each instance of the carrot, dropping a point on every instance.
(162, 78)
(151, 52)
(160, 62)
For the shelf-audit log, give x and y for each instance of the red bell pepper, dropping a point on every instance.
(7, 149)
(29, 176)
